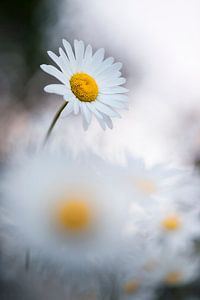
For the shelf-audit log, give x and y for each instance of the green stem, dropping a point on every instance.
(53, 123)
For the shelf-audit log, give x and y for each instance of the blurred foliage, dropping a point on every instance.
(187, 292)
(21, 25)
(22, 32)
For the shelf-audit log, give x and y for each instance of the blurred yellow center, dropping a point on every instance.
(146, 186)
(74, 215)
(131, 287)
(84, 87)
(171, 223)
(173, 278)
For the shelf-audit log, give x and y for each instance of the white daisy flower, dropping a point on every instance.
(172, 224)
(148, 182)
(155, 263)
(65, 211)
(178, 269)
(169, 266)
(89, 84)
(132, 281)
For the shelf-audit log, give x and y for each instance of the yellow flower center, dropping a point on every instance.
(173, 278)
(131, 287)
(171, 223)
(74, 215)
(84, 87)
(146, 186)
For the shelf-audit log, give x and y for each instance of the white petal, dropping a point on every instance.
(76, 106)
(113, 103)
(116, 97)
(54, 72)
(69, 96)
(87, 113)
(112, 82)
(58, 89)
(96, 61)
(84, 119)
(96, 67)
(55, 58)
(101, 122)
(106, 110)
(118, 81)
(68, 109)
(88, 53)
(108, 76)
(93, 109)
(114, 90)
(105, 65)
(79, 53)
(61, 63)
(85, 123)
(70, 54)
(98, 56)
(112, 69)
(108, 121)
(67, 66)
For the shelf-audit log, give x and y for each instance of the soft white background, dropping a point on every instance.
(158, 42)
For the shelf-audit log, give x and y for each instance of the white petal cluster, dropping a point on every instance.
(40, 183)
(104, 72)
(144, 232)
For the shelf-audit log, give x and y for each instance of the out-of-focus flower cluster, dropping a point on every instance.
(76, 226)
(108, 230)
(98, 228)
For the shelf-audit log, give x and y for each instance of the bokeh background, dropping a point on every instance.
(158, 43)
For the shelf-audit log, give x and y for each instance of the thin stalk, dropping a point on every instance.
(114, 289)
(53, 123)
(27, 260)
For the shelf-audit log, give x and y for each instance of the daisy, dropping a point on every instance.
(178, 268)
(132, 281)
(65, 210)
(90, 85)
(174, 225)
(170, 266)
(148, 182)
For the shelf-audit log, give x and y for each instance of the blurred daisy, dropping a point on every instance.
(178, 269)
(65, 211)
(147, 182)
(133, 284)
(176, 226)
(172, 267)
(133, 280)
(89, 84)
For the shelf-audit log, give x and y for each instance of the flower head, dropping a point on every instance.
(67, 210)
(90, 84)
(178, 268)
